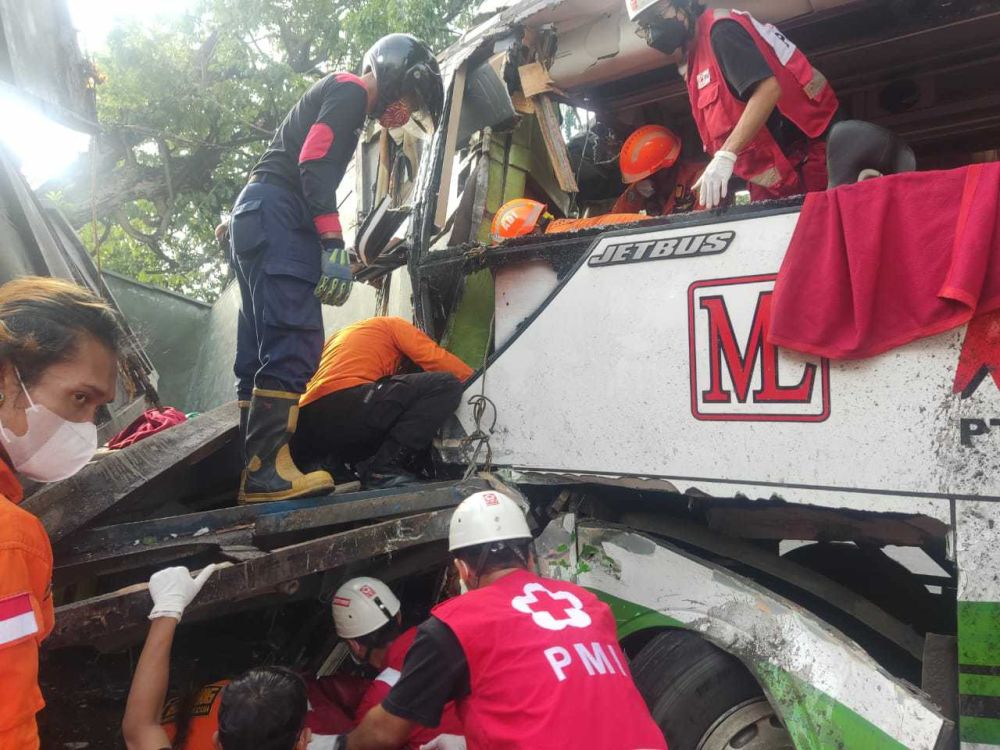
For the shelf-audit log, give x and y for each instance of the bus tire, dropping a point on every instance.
(703, 698)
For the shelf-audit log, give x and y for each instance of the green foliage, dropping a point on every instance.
(189, 104)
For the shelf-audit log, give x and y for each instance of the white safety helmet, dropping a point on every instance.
(486, 517)
(363, 605)
(637, 8)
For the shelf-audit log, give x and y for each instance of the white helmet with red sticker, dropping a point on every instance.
(363, 605)
(486, 517)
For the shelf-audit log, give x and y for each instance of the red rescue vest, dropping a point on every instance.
(807, 99)
(395, 656)
(545, 670)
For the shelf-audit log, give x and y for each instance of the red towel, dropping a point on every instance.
(150, 423)
(878, 264)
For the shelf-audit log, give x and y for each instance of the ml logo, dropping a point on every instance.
(736, 374)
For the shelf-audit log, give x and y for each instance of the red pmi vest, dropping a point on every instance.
(807, 99)
(545, 670)
(395, 656)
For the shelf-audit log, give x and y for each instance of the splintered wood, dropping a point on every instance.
(555, 145)
(100, 617)
(69, 505)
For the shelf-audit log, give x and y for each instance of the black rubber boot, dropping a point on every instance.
(386, 468)
(270, 472)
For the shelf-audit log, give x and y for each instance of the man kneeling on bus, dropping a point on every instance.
(362, 408)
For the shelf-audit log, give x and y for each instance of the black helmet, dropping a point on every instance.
(403, 64)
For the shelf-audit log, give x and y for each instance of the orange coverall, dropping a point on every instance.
(376, 350)
(26, 615)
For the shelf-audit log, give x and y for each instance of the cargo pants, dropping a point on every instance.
(275, 253)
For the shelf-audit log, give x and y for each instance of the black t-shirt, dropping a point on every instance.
(743, 67)
(338, 102)
(435, 671)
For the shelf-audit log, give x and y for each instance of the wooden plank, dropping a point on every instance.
(382, 180)
(548, 120)
(450, 142)
(522, 104)
(402, 502)
(103, 616)
(535, 79)
(122, 538)
(69, 505)
(169, 552)
(499, 63)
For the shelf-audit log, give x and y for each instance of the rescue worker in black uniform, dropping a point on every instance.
(288, 251)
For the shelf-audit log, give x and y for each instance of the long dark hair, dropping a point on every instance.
(42, 320)
(263, 709)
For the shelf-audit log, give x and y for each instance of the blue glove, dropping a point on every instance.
(336, 278)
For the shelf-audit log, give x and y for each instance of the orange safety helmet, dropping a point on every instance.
(516, 218)
(648, 150)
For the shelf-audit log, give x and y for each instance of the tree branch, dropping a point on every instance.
(164, 150)
(149, 240)
(104, 235)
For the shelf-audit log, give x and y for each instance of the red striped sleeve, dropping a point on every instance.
(327, 223)
(12, 606)
(317, 143)
(349, 78)
(17, 619)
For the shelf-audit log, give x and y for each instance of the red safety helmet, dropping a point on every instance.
(648, 150)
(516, 218)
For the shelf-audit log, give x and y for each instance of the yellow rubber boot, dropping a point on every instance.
(270, 473)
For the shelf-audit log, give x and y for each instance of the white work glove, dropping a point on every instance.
(713, 185)
(445, 742)
(173, 589)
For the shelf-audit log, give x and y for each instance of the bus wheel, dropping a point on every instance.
(703, 698)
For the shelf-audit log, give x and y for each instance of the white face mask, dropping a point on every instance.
(645, 188)
(53, 448)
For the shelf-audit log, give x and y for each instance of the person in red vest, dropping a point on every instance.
(763, 112)
(366, 615)
(530, 662)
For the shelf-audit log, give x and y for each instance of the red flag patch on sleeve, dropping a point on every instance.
(17, 619)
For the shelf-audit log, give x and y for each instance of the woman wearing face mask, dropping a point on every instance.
(59, 351)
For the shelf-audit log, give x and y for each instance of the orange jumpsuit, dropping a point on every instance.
(681, 198)
(333, 703)
(374, 348)
(558, 226)
(204, 721)
(26, 615)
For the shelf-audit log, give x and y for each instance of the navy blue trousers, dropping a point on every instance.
(275, 253)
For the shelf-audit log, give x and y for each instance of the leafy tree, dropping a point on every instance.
(187, 107)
